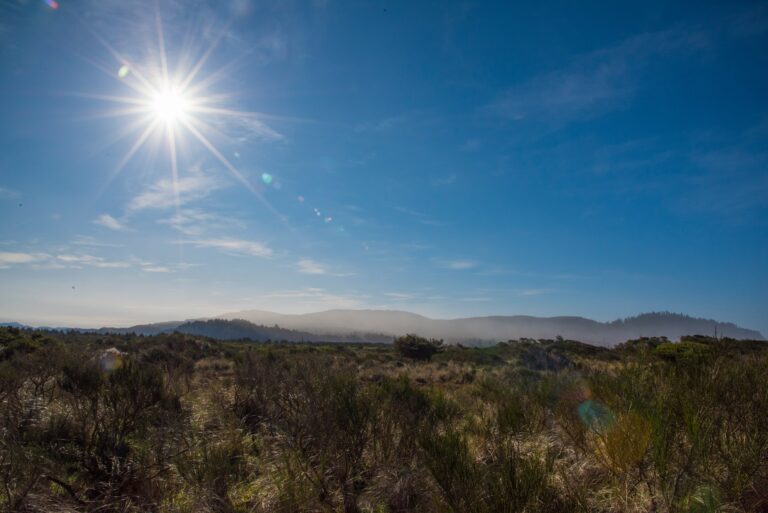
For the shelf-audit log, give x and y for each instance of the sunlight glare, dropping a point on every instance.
(170, 106)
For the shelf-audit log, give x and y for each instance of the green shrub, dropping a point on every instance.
(417, 348)
(682, 352)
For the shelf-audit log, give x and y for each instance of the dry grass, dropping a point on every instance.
(190, 425)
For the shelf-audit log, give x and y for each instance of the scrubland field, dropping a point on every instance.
(178, 423)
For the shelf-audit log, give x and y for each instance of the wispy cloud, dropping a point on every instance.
(442, 181)
(156, 269)
(497, 270)
(409, 211)
(245, 127)
(86, 240)
(194, 221)
(8, 258)
(80, 260)
(530, 292)
(73, 258)
(41, 260)
(732, 180)
(387, 124)
(230, 246)
(401, 296)
(420, 217)
(165, 194)
(750, 21)
(457, 265)
(7, 193)
(422, 297)
(309, 266)
(107, 221)
(593, 82)
(470, 145)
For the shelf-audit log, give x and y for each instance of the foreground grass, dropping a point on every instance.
(186, 424)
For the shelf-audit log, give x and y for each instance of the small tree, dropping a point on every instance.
(418, 348)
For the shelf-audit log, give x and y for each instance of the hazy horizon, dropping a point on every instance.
(175, 160)
(374, 326)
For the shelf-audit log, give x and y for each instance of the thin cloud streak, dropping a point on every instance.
(7, 193)
(8, 258)
(443, 181)
(593, 82)
(531, 292)
(86, 240)
(107, 221)
(91, 261)
(164, 194)
(237, 247)
(457, 265)
(42, 261)
(420, 217)
(194, 222)
(309, 266)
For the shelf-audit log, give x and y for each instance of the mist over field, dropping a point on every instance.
(381, 326)
(497, 328)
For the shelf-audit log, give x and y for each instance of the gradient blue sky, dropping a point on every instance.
(449, 158)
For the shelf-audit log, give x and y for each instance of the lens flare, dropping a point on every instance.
(111, 359)
(266, 178)
(123, 71)
(596, 416)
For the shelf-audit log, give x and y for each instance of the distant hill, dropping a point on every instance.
(496, 328)
(145, 329)
(13, 325)
(383, 325)
(237, 329)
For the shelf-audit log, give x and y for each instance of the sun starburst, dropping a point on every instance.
(174, 106)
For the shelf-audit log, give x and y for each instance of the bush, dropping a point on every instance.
(417, 348)
(684, 351)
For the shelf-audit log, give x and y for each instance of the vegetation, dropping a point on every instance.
(181, 423)
(418, 348)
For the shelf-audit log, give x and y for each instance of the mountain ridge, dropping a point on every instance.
(497, 327)
(371, 325)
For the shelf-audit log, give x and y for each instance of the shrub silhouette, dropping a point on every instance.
(417, 348)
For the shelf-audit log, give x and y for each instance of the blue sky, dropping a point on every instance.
(448, 158)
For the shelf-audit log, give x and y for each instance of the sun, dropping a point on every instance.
(173, 103)
(170, 105)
